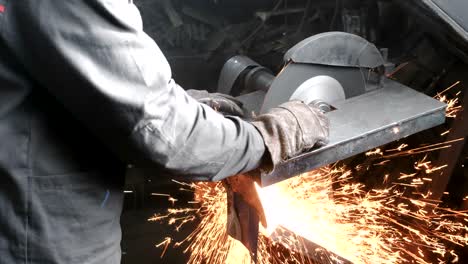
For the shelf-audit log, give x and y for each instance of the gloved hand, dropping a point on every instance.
(290, 129)
(287, 130)
(223, 103)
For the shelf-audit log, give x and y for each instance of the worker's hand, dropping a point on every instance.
(223, 103)
(290, 129)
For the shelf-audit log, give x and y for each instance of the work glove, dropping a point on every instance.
(287, 131)
(223, 103)
(290, 129)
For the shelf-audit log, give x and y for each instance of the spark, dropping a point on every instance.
(424, 149)
(431, 170)
(453, 107)
(386, 178)
(453, 104)
(160, 194)
(382, 163)
(398, 223)
(447, 89)
(406, 176)
(426, 166)
(400, 148)
(210, 236)
(172, 200)
(445, 133)
(375, 152)
(167, 241)
(328, 208)
(397, 69)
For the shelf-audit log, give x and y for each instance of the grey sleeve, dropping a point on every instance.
(94, 57)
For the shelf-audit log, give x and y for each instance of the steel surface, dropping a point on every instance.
(365, 122)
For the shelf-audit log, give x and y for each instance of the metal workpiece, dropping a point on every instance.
(363, 123)
(306, 247)
(248, 223)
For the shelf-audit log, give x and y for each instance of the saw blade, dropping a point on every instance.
(294, 75)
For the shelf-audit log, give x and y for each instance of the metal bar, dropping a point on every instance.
(306, 247)
(249, 225)
(366, 122)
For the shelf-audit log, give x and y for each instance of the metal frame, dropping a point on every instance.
(366, 122)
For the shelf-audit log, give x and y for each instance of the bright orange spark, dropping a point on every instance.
(375, 152)
(424, 149)
(328, 208)
(453, 104)
(445, 133)
(400, 148)
(167, 241)
(447, 89)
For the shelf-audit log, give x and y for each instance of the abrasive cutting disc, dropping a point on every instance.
(295, 74)
(321, 88)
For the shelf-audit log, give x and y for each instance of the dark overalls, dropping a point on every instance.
(84, 91)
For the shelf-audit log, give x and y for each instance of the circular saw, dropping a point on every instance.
(344, 75)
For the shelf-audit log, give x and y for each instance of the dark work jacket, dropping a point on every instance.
(84, 91)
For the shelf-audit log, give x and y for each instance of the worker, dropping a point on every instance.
(84, 91)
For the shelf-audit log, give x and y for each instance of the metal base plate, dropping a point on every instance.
(365, 122)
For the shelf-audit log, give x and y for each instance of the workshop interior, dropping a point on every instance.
(389, 74)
